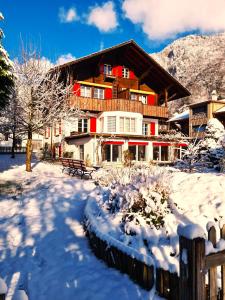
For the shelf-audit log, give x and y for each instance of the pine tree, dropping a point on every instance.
(6, 78)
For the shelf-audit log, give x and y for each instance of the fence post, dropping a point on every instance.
(192, 264)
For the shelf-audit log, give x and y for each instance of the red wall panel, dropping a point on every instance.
(108, 93)
(117, 71)
(152, 128)
(93, 125)
(76, 89)
(151, 99)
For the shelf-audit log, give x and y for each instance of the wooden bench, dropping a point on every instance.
(76, 167)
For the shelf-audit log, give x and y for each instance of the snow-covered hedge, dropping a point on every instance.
(130, 206)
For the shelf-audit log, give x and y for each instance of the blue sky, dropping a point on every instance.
(76, 28)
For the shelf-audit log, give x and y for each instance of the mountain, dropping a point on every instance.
(198, 62)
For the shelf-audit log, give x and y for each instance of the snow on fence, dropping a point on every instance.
(198, 258)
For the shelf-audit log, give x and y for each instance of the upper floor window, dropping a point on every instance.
(99, 93)
(125, 72)
(133, 96)
(127, 124)
(143, 99)
(108, 69)
(111, 126)
(85, 91)
(82, 125)
(145, 128)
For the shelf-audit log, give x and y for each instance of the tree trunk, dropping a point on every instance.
(13, 144)
(29, 151)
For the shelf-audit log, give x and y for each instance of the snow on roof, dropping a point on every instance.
(222, 109)
(182, 116)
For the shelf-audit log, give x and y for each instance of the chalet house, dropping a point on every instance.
(199, 114)
(124, 95)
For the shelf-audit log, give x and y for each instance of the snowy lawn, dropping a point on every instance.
(43, 248)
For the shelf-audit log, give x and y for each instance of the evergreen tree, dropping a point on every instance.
(6, 78)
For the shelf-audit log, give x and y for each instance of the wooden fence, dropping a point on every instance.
(190, 284)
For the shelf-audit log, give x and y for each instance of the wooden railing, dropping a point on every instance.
(98, 105)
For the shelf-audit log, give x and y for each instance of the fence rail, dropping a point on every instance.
(6, 149)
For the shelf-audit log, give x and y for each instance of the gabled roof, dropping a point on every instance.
(158, 78)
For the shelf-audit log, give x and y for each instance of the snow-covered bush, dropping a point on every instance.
(139, 195)
(208, 152)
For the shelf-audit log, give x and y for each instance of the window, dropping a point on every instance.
(125, 73)
(99, 93)
(85, 91)
(137, 152)
(133, 96)
(82, 125)
(145, 129)
(112, 153)
(102, 124)
(127, 124)
(164, 153)
(143, 99)
(108, 69)
(111, 124)
(81, 150)
(155, 152)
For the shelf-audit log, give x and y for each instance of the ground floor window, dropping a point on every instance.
(81, 152)
(156, 155)
(161, 153)
(138, 152)
(112, 153)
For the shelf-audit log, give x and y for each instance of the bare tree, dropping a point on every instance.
(42, 97)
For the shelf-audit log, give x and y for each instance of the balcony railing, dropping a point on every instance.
(99, 105)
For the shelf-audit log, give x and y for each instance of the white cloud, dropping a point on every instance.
(64, 59)
(161, 19)
(68, 16)
(103, 17)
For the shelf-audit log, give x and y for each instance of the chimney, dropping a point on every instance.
(214, 95)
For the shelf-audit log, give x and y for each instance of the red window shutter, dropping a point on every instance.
(152, 128)
(92, 124)
(48, 132)
(132, 75)
(108, 93)
(60, 128)
(151, 99)
(54, 129)
(76, 89)
(117, 71)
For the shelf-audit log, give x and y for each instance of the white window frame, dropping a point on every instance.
(126, 125)
(113, 129)
(99, 91)
(85, 91)
(133, 96)
(143, 99)
(107, 69)
(82, 125)
(145, 128)
(125, 72)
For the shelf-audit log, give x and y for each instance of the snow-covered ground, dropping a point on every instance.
(43, 248)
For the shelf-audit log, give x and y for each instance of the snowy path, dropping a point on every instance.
(43, 248)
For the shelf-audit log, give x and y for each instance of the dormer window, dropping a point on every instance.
(107, 69)
(125, 72)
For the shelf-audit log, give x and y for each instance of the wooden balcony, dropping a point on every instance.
(98, 105)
